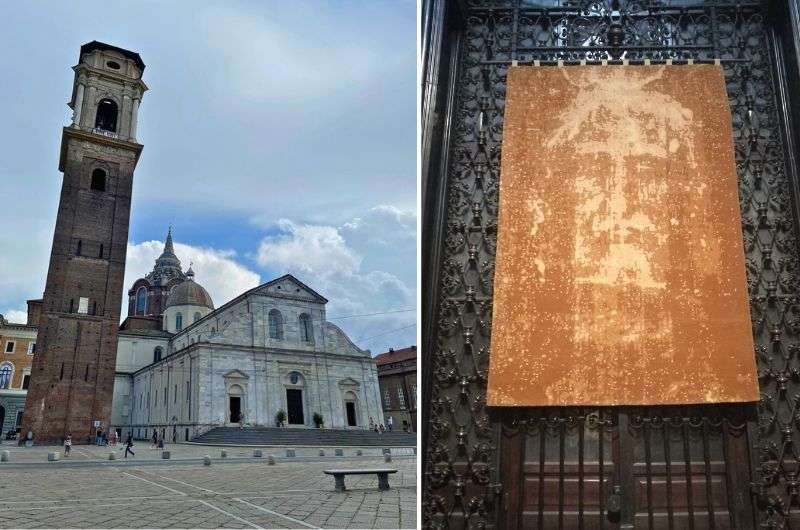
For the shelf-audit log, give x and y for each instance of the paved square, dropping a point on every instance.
(237, 492)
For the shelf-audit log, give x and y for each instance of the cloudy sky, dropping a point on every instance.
(279, 137)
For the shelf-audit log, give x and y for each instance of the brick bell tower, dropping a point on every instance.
(72, 379)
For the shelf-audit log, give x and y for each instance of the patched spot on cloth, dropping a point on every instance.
(620, 271)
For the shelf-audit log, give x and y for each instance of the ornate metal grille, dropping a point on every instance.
(745, 457)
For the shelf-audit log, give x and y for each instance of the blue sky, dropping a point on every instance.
(279, 137)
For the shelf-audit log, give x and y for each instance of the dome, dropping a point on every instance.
(189, 292)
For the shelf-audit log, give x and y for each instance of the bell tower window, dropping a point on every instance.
(99, 180)
(106, 118)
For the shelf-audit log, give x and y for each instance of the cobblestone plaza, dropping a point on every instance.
(240, 491)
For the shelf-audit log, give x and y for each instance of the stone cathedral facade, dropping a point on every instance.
(184, 366)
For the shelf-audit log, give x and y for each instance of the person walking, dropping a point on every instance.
(128, 445)
(155, 440)
(371, 423)
(389, 423)
(161, 441)
(98, 439)
(67, 444)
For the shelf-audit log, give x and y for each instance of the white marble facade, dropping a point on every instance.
(233, 355)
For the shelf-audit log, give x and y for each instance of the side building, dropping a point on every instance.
(397, 376)
(17, 349)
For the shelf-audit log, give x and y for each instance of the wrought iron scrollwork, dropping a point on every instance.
(463, 482)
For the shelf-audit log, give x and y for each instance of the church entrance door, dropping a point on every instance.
(294, 404)
(350, 407)
(235, 409)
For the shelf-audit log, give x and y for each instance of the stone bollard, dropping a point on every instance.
(359, 452)
(387, 457)
(271, 460)
(223, 454)
(290, 452)
(53, 457)
(206, 460)
(321, 452)
(257, 453)
(5, 456)
(112, 455)
(165, 455)
(339, 452)
(387, 451)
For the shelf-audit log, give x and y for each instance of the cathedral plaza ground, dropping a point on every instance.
(87, 490)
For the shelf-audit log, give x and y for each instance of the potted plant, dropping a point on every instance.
(318, 421)
(280, 417)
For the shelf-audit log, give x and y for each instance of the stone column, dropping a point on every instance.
(91, 101)
(134, 117)
(125, 118)
(76, 114)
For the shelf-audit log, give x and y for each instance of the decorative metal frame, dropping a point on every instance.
(467, 48)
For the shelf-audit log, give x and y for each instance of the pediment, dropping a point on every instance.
(236, 374)
(349, 381)
(288, 286)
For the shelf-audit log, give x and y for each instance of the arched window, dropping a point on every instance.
(6, 371)
(197, 316)
(306, 331)
(275, 325)
(99, 180)
(157, 354)
(141, 300)
(179, 321)
(106, 118)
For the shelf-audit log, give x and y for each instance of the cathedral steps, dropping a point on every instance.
(305, 437)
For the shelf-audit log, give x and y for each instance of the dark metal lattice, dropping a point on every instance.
(464, 485)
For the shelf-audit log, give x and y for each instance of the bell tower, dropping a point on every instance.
(73, 372)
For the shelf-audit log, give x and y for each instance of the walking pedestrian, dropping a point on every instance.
(128, 445)
(382, 428)
(99, 436)
(155, 439)
(161, 442)
(371, 423)
(67, 444)
(389, 423)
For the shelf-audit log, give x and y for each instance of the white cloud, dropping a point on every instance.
(216, 270)
(16, 316)
(320, 256)
(383, 225)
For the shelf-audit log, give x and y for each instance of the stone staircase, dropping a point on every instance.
(310, 437)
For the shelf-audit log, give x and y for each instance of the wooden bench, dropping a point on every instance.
(339, 474)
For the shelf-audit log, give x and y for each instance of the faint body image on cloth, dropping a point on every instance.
(620, 274)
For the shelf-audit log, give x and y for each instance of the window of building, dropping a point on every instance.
(26, 380)
(275, 325)
(99, 180)
(79, 248)
(10, 346)
(94, 307)
(6, 372)
(306, 331)
(83, 305)
(187, 391)
(165, 396)
(141, 300)
(157, 352)
(175, 395)
(155, 398)
(141, 400)
(71, 305)
(19, 420)
(413, 396)
(387, 400)
(100, 252)
(401, 397)
(106, 118)
(178, 321)
(31, 348)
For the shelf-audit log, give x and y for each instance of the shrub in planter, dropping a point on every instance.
(318, 421)
(280, 418)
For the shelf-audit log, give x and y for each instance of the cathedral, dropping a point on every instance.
(176, 364)
(266, 358)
